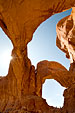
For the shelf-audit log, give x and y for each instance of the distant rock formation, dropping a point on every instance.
(21, 89)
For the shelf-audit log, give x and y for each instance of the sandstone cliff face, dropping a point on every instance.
(20, 90)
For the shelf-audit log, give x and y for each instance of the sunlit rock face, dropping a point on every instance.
(66, 36)
(66, 42)
(19, 19)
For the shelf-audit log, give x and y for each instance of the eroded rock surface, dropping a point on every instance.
(53, 70)
(66, 35)
(19, 90)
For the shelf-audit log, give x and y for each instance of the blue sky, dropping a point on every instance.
(42, 47)
(5, 53)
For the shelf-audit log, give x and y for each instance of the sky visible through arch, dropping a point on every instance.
(42, 47)
(5, 53)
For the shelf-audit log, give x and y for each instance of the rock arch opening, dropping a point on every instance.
(52, 91)
(5, 53)
(20, 91)
(43, 46)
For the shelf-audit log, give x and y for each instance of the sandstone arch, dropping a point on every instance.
(53, 70)
(19, 19)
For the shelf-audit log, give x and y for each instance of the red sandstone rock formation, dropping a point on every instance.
(53, 70)
(18, 90)
(66, 35)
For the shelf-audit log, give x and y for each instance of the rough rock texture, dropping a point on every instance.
(19, 90)
(66, 42)
(53, 70)
(69, 103)
(66, 35)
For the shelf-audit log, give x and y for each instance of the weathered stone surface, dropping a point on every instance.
(19, 19)
(66, 35)
(66, 42)
(53, 70)
(69, 103)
